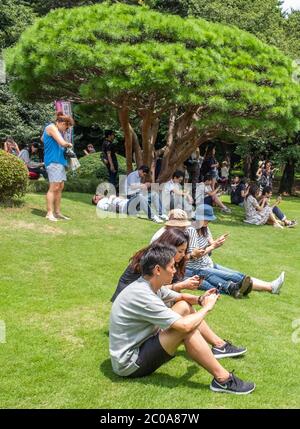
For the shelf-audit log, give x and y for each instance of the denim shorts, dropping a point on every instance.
(56, 173)
(151, 357)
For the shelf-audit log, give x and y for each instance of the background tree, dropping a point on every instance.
(21, 120)
(207, 77)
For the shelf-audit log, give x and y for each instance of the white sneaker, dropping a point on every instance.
(277, 225)
(226, 210)
(164, 217)
(156, 219)
(51, 217)
(276, 284)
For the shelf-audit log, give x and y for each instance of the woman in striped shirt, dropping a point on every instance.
(201, 244)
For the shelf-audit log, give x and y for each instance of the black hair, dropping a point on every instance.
(108, 133)
(157, 254)
(208, 177)
(267, 190)
(144, 169)
(253, 190)
(178, 174)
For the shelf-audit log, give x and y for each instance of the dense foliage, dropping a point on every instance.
(211, 77)
(13, 176)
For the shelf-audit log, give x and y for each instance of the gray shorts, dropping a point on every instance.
(56, 173)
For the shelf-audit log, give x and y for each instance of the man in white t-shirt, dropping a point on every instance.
(137, 188)
(174, 195)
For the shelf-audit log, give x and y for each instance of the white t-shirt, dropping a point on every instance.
(132, 179)
(24, 156)
(225, 172)
(106, 202)
(170, 186)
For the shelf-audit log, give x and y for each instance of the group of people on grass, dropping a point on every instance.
(151, 316)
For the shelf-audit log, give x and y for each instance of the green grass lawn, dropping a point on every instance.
(56, 281)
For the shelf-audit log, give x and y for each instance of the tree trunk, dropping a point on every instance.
(247, 166)
(124, 121)
(137, 148)
(288, 177)
(179, 152)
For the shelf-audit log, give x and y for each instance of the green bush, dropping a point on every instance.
(13, 177)
(75, 184)
(91, 166)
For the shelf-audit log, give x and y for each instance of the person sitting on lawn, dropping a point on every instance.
(144, 333)
(124, 205)
(89, 149)
(259, 213)
(137, 186)
(239, 190)
(10, 146)
(267, 194)
(211, 195)
(228, 281)
(177, 219)
(173, 195)
(171, 237)
(29, 155)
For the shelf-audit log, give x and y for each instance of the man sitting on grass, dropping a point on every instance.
(145, 333)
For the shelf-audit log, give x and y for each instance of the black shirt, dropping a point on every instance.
(108, 146)
(236, 194)
(129, 276)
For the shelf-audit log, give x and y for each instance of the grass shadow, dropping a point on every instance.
(156, 379)
(39, 212)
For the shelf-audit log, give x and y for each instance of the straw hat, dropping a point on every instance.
(178, 217)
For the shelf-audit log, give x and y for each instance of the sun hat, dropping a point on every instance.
(178, 217)
(203, 212)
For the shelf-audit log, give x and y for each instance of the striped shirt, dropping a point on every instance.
(197, 241)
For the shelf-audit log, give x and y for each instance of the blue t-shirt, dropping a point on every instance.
(53, 152)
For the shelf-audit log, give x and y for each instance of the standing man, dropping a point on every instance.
(110, 157)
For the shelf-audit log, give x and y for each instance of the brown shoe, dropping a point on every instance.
(246, 286)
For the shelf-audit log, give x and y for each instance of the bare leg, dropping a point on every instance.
(261, 286)
(57, 202)
(218, 202)
(209, 335)
(196, 346)
(51, 197)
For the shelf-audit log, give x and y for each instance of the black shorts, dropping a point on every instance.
(151, 356)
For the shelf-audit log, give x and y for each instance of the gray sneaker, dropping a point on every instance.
(228, 351)
(233, 385)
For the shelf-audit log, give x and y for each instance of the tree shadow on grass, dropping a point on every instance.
(39, 212)
(158, 379)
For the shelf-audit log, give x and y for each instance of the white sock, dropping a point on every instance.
(276, 284)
